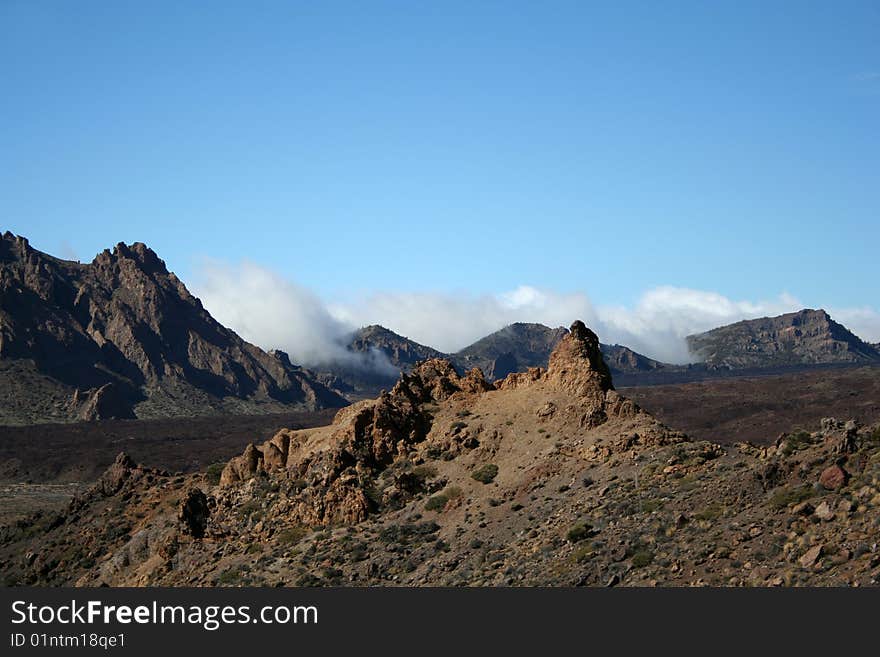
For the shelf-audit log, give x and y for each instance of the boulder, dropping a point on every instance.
(833, 478)
(194, 513)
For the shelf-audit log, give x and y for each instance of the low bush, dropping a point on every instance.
(292, 535)
(212, 474)
(642, 558)
(485, 474)
(438, 502)
(579, 532)
(785, 496)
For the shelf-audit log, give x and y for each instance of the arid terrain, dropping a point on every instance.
(145, 443)
(758, 408)
(43, 466)
(546, 477)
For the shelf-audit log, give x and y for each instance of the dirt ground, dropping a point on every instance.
(759, 408)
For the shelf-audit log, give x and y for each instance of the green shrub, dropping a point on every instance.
(579, 532)
(711, 512)
(292, 535)
(642, 558)
(785, 496)
(486, 474)
(250, 508)
(647, 506)
(230, 577)
(212, 474)
(583, 554)
(438, 502)
(425, 471)
(798, 440)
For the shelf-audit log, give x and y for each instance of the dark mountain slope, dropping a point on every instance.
(123, 337)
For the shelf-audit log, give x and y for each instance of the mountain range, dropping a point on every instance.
(805, 338)
(123, 337)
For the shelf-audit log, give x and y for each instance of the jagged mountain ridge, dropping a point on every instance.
(796, 340)
(806, 337)
(123, 337)
(513, 348)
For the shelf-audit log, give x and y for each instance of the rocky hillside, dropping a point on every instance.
(123, 337)
(547, 477)
(806, 337)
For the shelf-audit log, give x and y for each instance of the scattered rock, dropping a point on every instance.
(824, 511)
(811, 556)
(833, 477)
(802, 509)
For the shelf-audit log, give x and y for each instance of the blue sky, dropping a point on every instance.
(356, 147)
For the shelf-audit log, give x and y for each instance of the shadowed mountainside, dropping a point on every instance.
(123, 337)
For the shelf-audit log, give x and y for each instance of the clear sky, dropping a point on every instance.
(359, 146)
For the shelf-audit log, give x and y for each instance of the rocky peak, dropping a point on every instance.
(13, 247)
(281, 356)
(125, 320)
(577, 363)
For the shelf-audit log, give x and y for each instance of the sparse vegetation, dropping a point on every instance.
(711, 512)
(788, 495)
(230, 577)
(438, 502)
(212, 474)
(485, 474)
(579, 532)
(796, 441)
(642, 558)
(292, 535)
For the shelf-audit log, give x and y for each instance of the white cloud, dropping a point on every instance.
(273, 312)
(864, 321)
(449, 322)
(657, 325)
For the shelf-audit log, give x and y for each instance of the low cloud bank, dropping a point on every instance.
(273, 312)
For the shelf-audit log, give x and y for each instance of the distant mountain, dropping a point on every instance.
(123, 337)
(623, 360)
(513, 348)
(401, 352)
(806, 337)
(381, 355)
